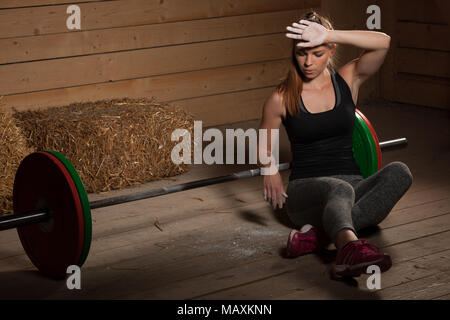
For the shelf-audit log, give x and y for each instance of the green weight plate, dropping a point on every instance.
(374, 136)
(84, 202)
(364, 148)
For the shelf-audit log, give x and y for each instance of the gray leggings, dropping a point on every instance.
(333, 203)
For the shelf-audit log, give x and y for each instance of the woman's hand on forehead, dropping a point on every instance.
(310, 34)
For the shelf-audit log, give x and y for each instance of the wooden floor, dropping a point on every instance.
(225, 242)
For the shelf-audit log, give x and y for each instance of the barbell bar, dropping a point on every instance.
(54, 222)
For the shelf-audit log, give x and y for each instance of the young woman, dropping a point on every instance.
(326, 195)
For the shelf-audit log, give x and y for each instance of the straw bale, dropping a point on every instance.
(112, 144)
(13, 148)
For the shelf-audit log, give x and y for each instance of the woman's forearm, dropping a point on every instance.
(368, 40)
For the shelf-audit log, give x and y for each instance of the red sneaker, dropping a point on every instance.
(356, 256)
(303, 242)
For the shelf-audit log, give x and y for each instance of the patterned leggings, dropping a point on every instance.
(333, 203)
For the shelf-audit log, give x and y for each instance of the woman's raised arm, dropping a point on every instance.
(375, 45)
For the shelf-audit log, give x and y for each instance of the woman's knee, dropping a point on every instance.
(343, 190)
(401, 173)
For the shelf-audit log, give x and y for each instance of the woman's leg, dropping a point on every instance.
(341, 205)
(308, 201)
(376, 195)
(324, 202)
(374, 199)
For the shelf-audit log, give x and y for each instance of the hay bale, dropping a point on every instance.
(13, 148)
(111, 143)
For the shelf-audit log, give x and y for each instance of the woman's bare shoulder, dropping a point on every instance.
(275, 102)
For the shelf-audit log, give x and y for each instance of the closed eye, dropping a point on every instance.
(317, 54)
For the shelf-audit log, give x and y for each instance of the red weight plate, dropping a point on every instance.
(374, 135)
(43, 183)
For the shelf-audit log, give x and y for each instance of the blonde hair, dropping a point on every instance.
(291, 85)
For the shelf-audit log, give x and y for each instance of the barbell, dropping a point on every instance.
(52, 212)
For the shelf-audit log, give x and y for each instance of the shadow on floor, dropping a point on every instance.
(28, 285)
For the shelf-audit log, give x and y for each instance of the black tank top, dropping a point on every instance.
(321, 143)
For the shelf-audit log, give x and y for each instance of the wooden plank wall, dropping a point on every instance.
(422, 53)
(416, 68)
(219, 59)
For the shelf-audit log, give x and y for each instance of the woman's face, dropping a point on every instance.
(312, 61)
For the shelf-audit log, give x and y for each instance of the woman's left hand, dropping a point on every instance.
(311, 33)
